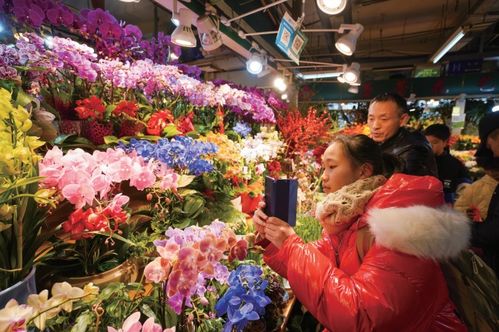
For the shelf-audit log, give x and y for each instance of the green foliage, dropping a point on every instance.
(308, 228)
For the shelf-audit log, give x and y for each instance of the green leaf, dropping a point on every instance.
(111, 140)
(193, 204)
(170, 130)
(61, 139)
(146, 310)
(110, 290)
(185, 180)
(182, 223)
(82, 322)
(187, 192)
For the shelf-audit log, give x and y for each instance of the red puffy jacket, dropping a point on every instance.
(398, 286)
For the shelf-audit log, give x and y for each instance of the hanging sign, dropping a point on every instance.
(290, 39)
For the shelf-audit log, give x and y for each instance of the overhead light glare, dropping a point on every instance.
(280, 84)
(255, 63)
(495, 108)
(319, 75)
(448, 45)
(352, 73)
(332, 7)
(353, 89)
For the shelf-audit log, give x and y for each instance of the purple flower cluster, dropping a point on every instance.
(242, 129)
(112, 38)
(158, 49)
(181, 153)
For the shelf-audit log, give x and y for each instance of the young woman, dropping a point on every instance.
(397, 285)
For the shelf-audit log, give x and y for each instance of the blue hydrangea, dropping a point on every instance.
(242, 128)
(178, 153)
(245, 299)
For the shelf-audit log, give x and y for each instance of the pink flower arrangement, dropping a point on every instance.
(82, 178)
(133, 324)
(189, 257)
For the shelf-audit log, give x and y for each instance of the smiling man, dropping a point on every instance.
(387, 116)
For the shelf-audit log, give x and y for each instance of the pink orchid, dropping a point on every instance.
(157, 270)
(131, 324)
(79, 194)
(117, 203)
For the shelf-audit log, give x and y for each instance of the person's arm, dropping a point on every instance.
(386, 288)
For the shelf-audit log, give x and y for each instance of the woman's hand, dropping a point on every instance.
(260, 218)
(277, 231)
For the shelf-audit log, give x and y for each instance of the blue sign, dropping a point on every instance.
(289, 39)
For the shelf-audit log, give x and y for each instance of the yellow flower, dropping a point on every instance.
(45, 196)
(64, 294)
(43, 308)
(6, 211)
(90, 292)
(14, 316)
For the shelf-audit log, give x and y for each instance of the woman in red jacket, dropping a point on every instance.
(398, 284)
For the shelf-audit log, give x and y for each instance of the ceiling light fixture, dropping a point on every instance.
(208, 31)
(130, 1)
(347, 43)
(319, 74)
(174, 18)
(255, 63)
(352, 73)
(332, 7)
(183, 35)
(448, 45)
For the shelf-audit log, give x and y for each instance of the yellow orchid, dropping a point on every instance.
(64, 294)
(90, 292)
(43, 308)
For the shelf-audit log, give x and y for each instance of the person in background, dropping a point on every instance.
(480, 200)
(387, 116)
(451, 171)
(397, 283)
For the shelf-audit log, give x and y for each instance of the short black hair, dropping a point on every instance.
(438, 130)
(393, 97)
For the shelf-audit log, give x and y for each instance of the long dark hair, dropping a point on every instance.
(361, 149)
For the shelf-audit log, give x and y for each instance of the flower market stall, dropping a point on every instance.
(119, 181)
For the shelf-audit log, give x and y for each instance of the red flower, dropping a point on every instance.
(158, 122)
(97, 221)
(91, 107)
(76, 224)
(184, 123)
(304, 132)
(126, 107)
(474, 214)
(239, 250)
(274, 168)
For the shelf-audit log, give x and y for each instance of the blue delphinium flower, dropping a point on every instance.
(242, 128)
(180, 152)
(245, 299)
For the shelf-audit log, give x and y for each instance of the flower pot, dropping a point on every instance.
(19, 291)
(126, 272)
(249, 204)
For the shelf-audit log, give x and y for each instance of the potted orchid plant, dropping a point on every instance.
(22, 203)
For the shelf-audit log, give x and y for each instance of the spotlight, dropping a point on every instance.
(347, 43)
(332, 7)
(341, 79)
(284, 96)
(255, 63)
(353, 89)
(352, 73)
(183, 35)
(208, 32)
(280, 84)
(175, 19)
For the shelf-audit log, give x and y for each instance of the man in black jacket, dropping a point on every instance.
(388, 114)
